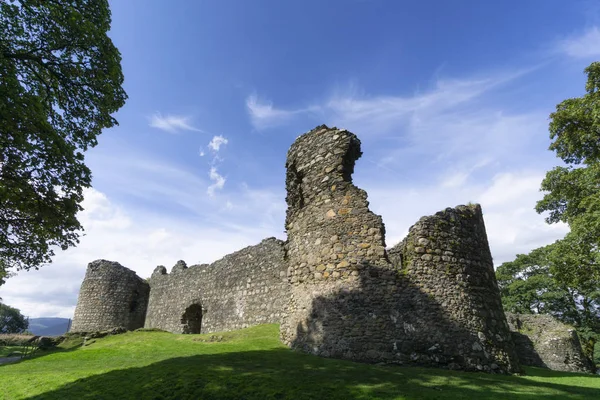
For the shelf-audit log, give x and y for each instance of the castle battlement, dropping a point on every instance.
(332, 285)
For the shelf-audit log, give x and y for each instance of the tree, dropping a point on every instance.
(60, 81)
(11, 320)
(563, 279)
(559, 280)
(527, 285)
(572, 191)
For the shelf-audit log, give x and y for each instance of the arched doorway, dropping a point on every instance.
(191, 319)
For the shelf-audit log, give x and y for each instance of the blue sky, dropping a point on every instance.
(450, 100)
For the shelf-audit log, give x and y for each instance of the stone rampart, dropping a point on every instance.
(348, 300)
(110, 296)
(242, 289)
(447, 257)
(543, 341)
(337, 292)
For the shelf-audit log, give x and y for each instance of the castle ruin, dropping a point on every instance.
(332, 286)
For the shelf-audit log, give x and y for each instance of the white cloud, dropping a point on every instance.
(218, 179)
(145, 180)
(508, 202)
(216, 142)
(585, 45)
(172, 123)
(139, 240)
(264, 115)
(350, 106)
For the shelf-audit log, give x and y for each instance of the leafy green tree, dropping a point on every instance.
(60, 81)
(559, 280)
(11, 320)
(528, 287)
(563, 279)
(572, 191)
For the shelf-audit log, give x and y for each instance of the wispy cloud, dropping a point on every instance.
(216, 142)
(584, 45)
(454, 121)
(218, 179)
(172, 123)
(507, 199)
(139, 240)
(264, 115)
(349, 106)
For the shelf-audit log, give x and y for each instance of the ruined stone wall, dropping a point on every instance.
(543, 341)
(242, 289)
(348, 300)
(431, 300)
(110, 296)
(447, 257)
(331, 233)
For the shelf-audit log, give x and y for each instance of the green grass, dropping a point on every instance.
(252, 364)
(7, 351)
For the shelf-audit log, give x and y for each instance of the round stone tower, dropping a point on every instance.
(110, 296)
(447, 256)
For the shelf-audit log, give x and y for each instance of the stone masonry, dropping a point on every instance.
(348, 300)
(110, 296)
(242, 289)
(334, 288)
(543, 341)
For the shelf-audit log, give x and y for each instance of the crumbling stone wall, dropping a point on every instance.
(447, 257)
(543, 341)
(431, 300)
(110, 296)
(242, 289)
(348, 300)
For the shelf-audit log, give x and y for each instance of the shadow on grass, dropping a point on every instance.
(284, 374)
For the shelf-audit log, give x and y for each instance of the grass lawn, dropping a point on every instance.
(252, 364)
(6, 351)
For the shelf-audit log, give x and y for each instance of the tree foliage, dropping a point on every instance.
(563, 279)
(572, 191)
(11, 320)
(60, 81)
(559, 279)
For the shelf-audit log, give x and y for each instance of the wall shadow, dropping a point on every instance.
(284, 374)
(387, 317)
(527, 353)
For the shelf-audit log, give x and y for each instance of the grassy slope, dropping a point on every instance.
(252, 364)
(7, 351)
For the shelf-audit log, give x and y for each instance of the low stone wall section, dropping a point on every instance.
(543, 341)
(242, 289)
(110, 296)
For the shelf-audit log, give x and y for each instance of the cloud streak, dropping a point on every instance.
(584, 45)
(264, 115)
(172, 123)
(138, 239)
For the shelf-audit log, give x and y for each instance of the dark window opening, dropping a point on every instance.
(133, 304)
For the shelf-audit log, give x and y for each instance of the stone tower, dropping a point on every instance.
(447, 256)
(110, 296)
(348, 300)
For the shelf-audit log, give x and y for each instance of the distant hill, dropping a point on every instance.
(48, 326)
